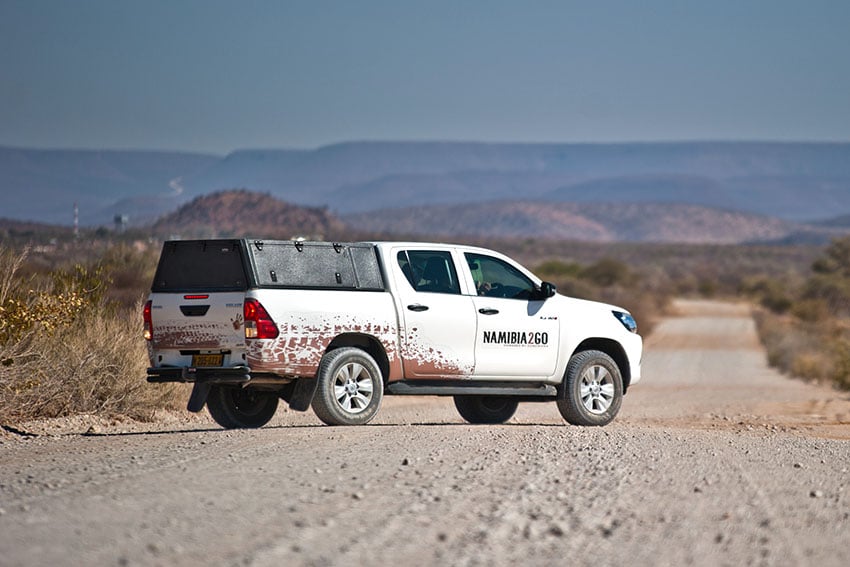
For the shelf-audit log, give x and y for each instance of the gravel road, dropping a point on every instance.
(714, 460)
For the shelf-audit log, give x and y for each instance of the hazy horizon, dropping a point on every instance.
(216, 77)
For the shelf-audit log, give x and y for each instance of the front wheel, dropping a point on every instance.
(593, 389)
(235, 407)
(486, 409)
(350, 387)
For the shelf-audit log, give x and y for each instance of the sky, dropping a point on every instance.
(212, 76)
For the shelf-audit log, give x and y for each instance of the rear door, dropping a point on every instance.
(437, 315)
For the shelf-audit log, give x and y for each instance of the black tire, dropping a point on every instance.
(486, 409)
(592, 392)
(350, 387)
(234, 407)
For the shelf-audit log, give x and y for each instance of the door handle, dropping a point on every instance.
(488, 311)
(417, 307)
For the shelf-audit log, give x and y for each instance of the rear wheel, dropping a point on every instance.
(593, 389)
(350, 387)
(486, 409)
(234, 407)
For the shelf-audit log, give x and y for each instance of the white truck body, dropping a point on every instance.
(435, 318)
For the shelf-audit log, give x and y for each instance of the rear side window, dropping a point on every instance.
(428, 270)
(200, 265)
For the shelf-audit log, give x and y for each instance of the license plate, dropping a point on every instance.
(207, 360)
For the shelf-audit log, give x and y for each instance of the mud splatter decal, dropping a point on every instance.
(423, 359)
(179, 334)
(304, 339)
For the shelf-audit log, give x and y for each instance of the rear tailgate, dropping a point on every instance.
(196, 304)
(192, 324)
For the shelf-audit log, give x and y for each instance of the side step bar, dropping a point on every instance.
(471, 388)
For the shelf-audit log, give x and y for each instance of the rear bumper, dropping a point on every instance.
(299, 393)
(206, 375)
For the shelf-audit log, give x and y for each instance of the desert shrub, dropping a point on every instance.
(557, 269)
(830, 279)
(810, 310)
(811, 365)
(840, 350)
(835, 260)
(28, 306)
(65, 349)
(130, 271)
(812, 350)
(832, 289)
(783, 340)
(708, 287)
(94, 365)
(607, 272)
(769, 292)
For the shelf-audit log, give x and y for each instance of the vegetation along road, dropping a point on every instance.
(715, 459)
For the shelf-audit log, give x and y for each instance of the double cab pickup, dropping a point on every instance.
(338, 326)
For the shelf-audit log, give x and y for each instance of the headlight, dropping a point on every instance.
(627, 320)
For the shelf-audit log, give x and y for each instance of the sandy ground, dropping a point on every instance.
(714, 460)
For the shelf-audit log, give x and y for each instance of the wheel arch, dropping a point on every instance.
(366, 343)
(613, 349)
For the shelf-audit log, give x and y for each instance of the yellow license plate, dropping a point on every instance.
(207, 360)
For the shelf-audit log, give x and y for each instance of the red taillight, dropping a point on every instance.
(204, 296)
(258, 323)
(146, 313)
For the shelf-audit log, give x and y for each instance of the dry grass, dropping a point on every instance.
(805, 323)
(91, 359)
(812, 351)
(96, 365)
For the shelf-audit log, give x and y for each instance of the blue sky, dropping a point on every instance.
(216, 76)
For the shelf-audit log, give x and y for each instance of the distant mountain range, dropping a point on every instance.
(602, 222)
(243, 213)
(788, 181)
(43, 185)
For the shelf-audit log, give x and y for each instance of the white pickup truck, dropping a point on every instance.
(340, 325)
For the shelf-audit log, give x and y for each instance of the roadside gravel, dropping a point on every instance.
(715, 459)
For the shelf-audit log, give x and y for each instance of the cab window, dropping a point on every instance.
(497, 278)
(429, 270)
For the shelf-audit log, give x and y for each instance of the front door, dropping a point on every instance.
(518, 334)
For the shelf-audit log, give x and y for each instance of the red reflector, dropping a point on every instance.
(196, 297)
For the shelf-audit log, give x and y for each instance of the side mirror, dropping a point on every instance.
(547, 290)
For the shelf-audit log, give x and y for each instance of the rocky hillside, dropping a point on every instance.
(246, 213)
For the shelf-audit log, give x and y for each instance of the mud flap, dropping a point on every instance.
(199, 396)
(302, 396)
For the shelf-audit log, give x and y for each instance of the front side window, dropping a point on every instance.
(497, 278)
(429, 270)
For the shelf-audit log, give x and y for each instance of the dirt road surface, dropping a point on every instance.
(714, 460)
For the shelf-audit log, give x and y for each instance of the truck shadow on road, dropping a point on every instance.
(317, 427)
